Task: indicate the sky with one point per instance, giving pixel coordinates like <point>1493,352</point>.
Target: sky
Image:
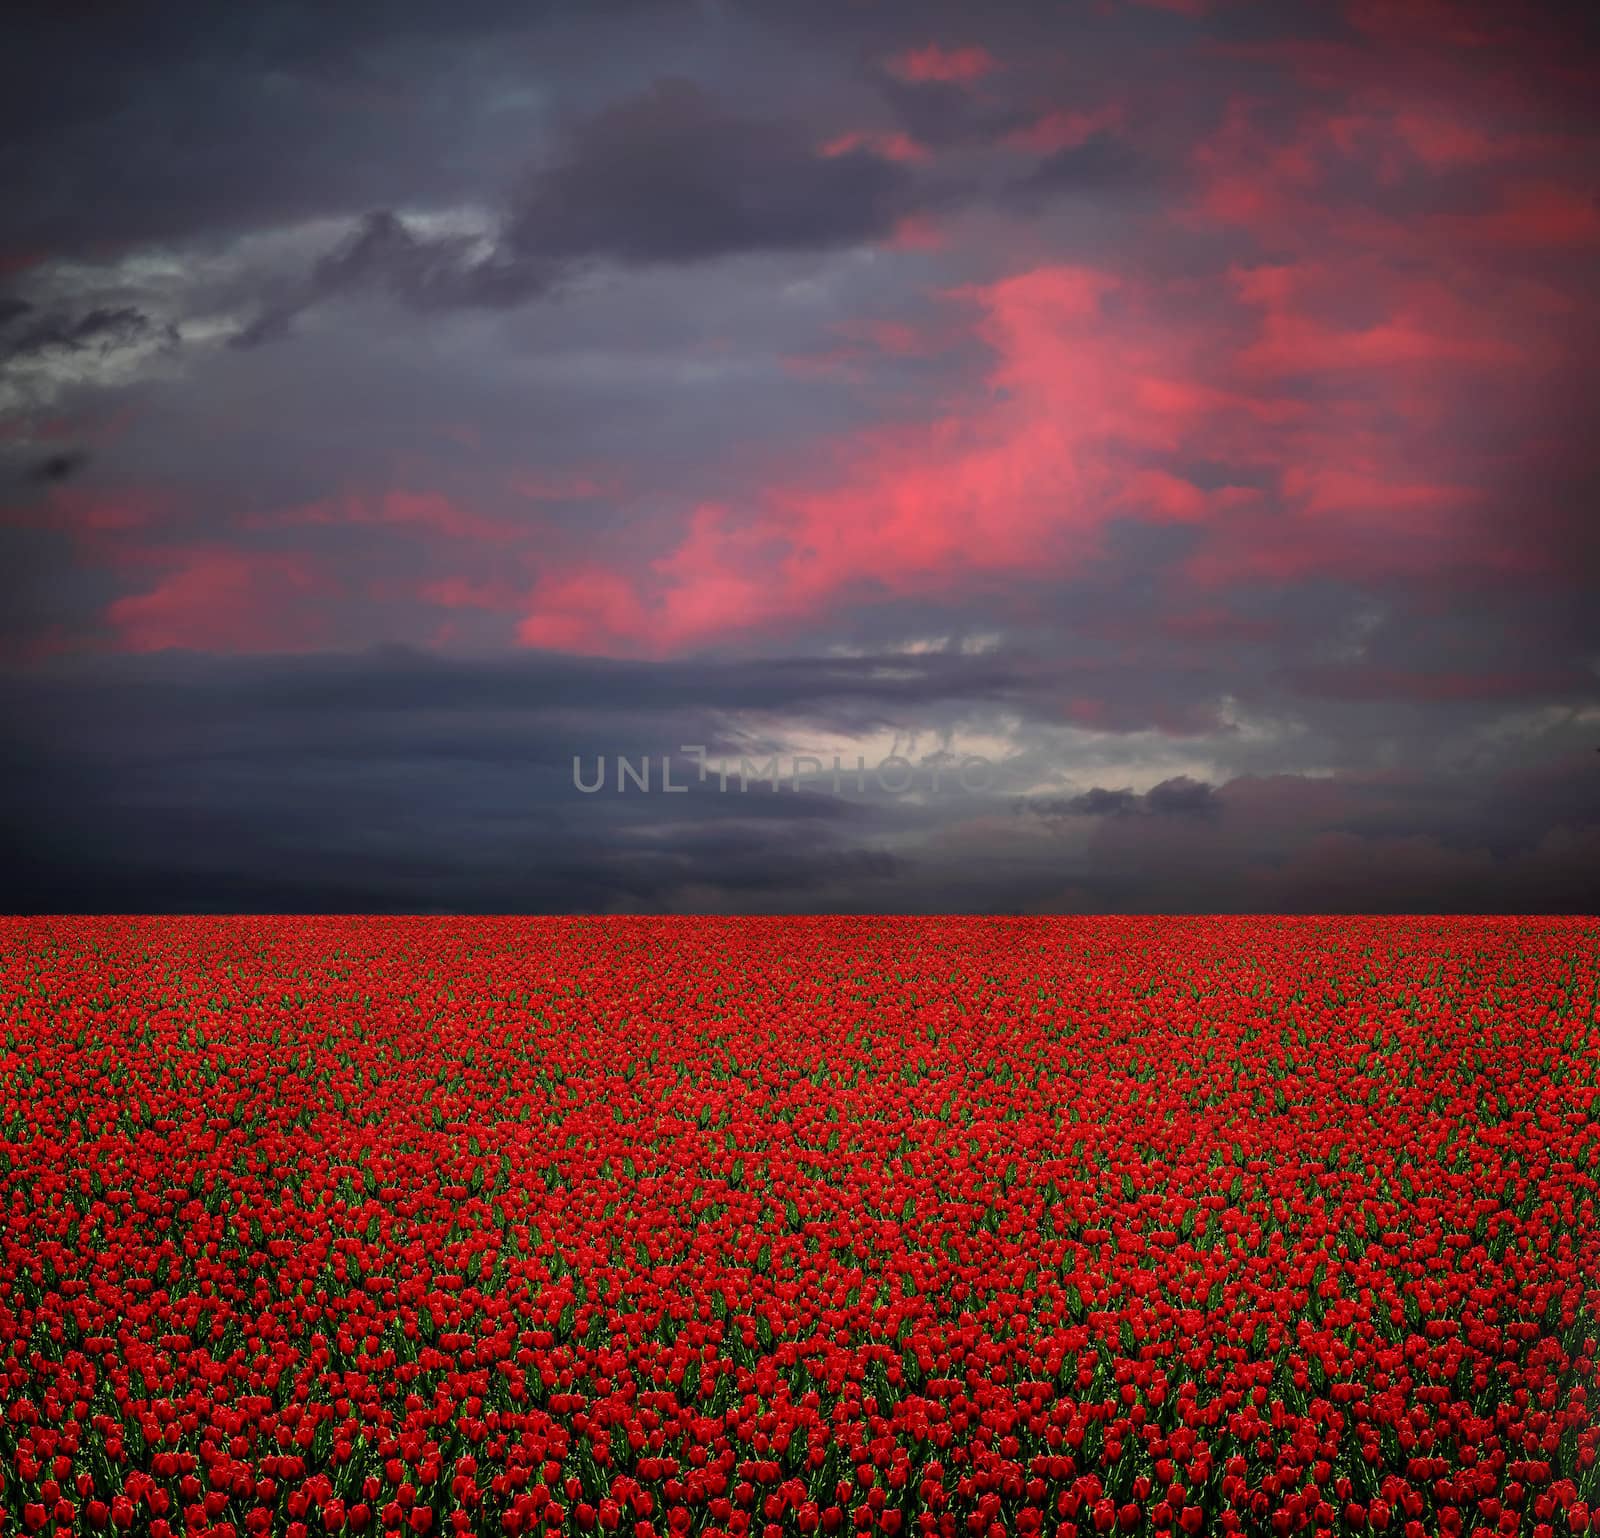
<point>1183,412</point>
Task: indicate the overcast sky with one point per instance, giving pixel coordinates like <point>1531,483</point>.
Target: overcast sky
<point>1188,408</point>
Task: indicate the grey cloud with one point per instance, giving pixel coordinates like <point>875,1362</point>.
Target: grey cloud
<point>271,324</point>
<point>385,253</point>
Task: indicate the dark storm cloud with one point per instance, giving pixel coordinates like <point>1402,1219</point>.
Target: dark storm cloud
<point>946,115</point>
<point>1389,844</point>
<point>169,122</point>
<point>54,468</point>
<point>166,122</point>
<point>673,176</point>
<point>398,782</point>
<point>1180,796</point>
<point>668,177</point>
<point>547,700</point>
<point>1372,681</point>
<point>395,781</point>
<point>1103,163</point>
<point>103,328</point>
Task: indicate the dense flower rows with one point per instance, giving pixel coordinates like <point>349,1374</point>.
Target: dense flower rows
<point>966,1227</point>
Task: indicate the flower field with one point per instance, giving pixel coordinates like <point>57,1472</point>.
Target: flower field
<point>673,1226</point>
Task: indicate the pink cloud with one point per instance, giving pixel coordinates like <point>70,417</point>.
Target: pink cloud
<point>570,486</point>
<point>1063,130</point>
<point>1020,480</point>
<point>1442,141</point>
<point>42,646</point>
<point>1169,498</point>
<point>916,232</point>
<point>945,66</point>
<point>1425,324</point>
<point>89,515</point>
<point>898,147</point>
<point>1316,407</point>
<point>1537,215</point>
<point>577,610</point>
<point>1098,384</point>
<point>216,599</point>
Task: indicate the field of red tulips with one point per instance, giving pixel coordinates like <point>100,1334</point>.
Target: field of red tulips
<point>666,1226</point>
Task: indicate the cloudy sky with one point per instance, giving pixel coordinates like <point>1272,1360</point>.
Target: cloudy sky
<point>1187,408</point>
